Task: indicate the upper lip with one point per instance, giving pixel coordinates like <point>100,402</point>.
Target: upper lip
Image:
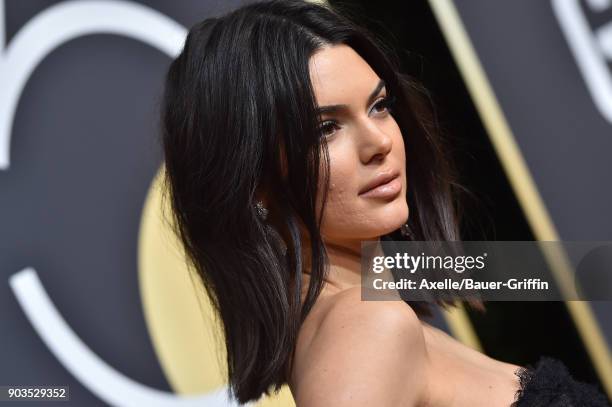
<point>380,179</point>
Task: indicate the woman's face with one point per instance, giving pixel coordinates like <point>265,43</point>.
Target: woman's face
<point>367,163</point>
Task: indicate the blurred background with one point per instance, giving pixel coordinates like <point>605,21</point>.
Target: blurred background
<point>94,292</point>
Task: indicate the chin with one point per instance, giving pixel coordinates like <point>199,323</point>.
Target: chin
<point>389,217</point>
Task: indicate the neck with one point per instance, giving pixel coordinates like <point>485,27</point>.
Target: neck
<point>344,264</point>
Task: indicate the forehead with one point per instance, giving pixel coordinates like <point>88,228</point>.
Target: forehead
<point>340,75</point>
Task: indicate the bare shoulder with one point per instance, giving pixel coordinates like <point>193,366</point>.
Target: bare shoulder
<point>363,353</point>
<point>347,309</point>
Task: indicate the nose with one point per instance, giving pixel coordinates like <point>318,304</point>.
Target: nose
<point>374,144</point>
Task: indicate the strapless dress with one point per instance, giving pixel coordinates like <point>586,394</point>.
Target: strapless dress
<point>548,383</point>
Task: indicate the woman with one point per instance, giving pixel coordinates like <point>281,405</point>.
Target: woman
<point>289,138</point>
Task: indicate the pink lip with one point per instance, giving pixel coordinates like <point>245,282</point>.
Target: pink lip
<point>384,185</point>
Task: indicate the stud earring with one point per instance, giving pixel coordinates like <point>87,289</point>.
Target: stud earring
<point>262,211</point>
<point>405,231</point>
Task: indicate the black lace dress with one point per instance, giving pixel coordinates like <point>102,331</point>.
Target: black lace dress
<point>549,384</point>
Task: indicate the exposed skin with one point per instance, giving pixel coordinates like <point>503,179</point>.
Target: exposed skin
<point>375,353</point>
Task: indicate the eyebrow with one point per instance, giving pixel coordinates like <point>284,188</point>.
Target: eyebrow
<point>334,108</point>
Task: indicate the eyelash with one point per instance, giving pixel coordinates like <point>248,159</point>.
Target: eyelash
<point>386,102</point>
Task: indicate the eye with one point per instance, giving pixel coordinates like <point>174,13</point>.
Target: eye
<point>328,128</point>
<point>384,104</point>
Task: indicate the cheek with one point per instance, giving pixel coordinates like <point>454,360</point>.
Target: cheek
<point>341,205</point>
<point>341,180</point>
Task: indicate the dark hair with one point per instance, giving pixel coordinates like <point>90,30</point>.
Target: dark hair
<point>238,120</point>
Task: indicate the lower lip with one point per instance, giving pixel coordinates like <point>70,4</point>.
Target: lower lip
<point>388,190</point>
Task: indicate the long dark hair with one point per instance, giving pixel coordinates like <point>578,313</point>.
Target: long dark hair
<point>238,120</point>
